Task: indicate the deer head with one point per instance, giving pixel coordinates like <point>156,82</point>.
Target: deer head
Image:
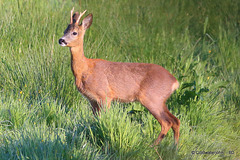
<point>74,33</point>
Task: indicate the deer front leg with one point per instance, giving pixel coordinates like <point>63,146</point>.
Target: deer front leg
<point>102,104</point>
<point>105,103</point>
<point>95,107</point>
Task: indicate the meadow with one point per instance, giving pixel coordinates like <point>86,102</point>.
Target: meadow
<point>43,116</point>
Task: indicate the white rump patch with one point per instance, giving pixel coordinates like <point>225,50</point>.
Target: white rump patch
<point>175,86</point>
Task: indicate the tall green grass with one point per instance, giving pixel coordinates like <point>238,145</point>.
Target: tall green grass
<point>42,115</point>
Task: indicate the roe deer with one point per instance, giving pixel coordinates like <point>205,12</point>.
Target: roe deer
<point>102,81</point>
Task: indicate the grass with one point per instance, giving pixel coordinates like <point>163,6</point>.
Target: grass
<point>42,115</point>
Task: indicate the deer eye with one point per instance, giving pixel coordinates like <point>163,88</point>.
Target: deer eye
<point>74,33</point>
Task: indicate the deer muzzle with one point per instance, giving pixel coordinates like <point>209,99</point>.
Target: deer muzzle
<point>62,42</point>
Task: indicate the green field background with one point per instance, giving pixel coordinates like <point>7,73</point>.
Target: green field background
<point>43,116</point>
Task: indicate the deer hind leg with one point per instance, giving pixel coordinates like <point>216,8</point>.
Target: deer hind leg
<point>164,117</point>
<point>165,122</point>
<point>175,126</point>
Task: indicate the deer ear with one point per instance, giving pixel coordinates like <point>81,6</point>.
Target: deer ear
<point>87,21</point>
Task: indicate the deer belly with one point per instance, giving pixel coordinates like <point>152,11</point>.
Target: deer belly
<point>125,93</point>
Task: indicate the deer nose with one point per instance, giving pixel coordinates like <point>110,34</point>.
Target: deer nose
<point>62,41</point>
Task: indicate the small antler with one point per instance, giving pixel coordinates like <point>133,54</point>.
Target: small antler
<point>81,14</point>
<point>71,20</point>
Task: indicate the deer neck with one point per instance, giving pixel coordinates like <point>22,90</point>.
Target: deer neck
<point>78,60</point>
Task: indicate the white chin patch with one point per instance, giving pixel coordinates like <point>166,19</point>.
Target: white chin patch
<point>63,45</point>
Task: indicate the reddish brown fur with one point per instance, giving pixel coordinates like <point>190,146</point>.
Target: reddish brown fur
<point>102,81</point>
